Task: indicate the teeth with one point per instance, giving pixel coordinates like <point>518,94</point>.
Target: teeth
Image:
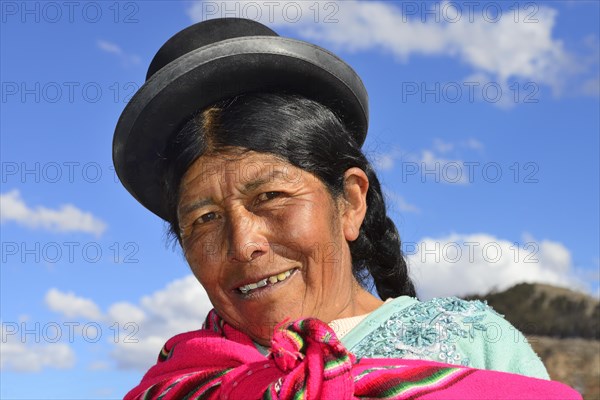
<point>262,283</point>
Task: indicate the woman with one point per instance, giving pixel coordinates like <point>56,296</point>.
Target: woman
<point>249,145</point>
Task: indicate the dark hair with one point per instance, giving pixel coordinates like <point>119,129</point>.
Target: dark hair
<point>311,137</point>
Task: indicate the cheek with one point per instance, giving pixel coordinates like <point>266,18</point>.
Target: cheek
<point>301,222</point>
<point>310,232</point>
<point>204,246</point>
<point>204,259</point>
<point>295,233</point>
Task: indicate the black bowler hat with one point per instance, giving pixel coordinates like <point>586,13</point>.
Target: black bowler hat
<point>215,60</point>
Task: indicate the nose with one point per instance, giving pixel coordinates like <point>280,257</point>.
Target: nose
<point>246,239</point>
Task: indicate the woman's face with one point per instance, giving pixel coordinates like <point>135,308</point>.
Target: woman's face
<point>267,241</point>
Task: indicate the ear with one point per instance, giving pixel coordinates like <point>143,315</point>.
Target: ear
<point>356,185</point>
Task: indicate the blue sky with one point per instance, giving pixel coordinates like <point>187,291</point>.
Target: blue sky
<point>484,127</point>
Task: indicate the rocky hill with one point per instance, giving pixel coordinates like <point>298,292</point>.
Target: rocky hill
<point>563,327</point>
<point>545,310</point>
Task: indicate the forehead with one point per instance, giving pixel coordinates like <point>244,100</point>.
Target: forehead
<point>240,167</point>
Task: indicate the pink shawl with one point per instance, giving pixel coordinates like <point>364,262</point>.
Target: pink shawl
<point>307,361</point>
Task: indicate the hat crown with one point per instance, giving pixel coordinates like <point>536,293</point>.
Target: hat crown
<point>202,34</point>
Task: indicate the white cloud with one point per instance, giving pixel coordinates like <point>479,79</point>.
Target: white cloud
<point>473,144</point>
<point>145,327</point>
<point>461,264</point>
<point>397,201</point>
<point>385,161</point>
<point>180,307</point>
<point>181,304</point>
<point>141,354</point>
<point>109,47</point>
<point>16,355</point>
<point>502,48</point>
<point>428,165</point>
<point>71,306</point>
<point>67,218</point>
<point>23,358</point>
<point>115,49</point>
<point>124,312</point>
<point>498,49</point>
<point>441,146</point>
<point>501,93</point>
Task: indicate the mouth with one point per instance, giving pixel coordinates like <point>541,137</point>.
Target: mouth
<point>266,282</point>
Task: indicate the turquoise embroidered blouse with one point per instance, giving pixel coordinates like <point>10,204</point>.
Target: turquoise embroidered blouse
<point>447,330</point>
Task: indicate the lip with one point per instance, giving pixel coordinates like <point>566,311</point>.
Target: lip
<point>264,288</point>
<point>253,279</point>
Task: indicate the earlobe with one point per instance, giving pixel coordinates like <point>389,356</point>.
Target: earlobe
<point>356,185</point>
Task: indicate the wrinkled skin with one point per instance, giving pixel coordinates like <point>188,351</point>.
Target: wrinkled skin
<point>247,216</point>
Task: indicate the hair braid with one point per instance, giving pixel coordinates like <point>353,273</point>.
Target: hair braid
<point>378,247</point>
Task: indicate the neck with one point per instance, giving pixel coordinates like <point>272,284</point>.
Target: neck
<point>362,302</point>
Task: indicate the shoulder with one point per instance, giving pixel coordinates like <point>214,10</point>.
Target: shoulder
<point>452,325</point>
<point>451,330</point>
<point>407,327</point>
<point>445,305</point>
<point>451,315</point>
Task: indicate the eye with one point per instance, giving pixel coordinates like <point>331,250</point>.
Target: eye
<point>204,218</point>
<point>268,196</point>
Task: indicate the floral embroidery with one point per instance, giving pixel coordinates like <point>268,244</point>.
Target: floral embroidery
<point>427,330</point>
<point>419,335</point>
<point>449,354</point>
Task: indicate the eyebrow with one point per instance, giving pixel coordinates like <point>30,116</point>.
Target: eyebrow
<point>195,205</point>
<point>252,185</point>
<point>248,187</point>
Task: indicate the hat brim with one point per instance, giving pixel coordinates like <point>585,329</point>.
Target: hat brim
<point>216,72</point>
